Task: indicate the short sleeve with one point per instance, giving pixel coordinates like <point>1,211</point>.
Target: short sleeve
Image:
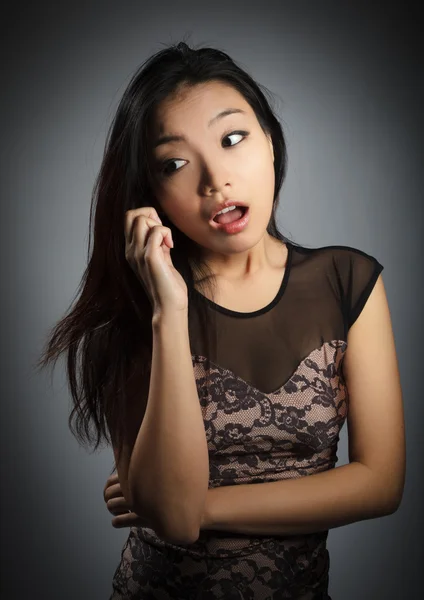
<point>362,273</point>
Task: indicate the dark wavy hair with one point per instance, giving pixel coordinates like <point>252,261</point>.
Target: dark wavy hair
<point>107,333</point>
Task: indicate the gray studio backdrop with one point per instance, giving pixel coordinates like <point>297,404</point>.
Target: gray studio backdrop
<point>348,88</point>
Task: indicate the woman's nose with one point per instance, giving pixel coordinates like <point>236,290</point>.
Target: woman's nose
<point>216,177</point>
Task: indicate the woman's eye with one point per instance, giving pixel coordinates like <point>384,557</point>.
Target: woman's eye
<point>167,172</point>
<point>243,134</point>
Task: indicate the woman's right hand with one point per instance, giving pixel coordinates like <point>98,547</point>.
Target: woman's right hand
<point>148,251</point>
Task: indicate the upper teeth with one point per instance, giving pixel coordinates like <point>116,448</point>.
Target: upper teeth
<point>224,210</point>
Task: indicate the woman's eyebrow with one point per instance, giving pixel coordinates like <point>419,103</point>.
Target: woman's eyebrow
<point>164,139</point>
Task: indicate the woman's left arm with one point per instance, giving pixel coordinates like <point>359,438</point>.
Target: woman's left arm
<point>372,484</point>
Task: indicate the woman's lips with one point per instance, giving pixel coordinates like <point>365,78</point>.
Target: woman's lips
<point>235,226</point>
<point>227,204</point>
<point>240,206</point>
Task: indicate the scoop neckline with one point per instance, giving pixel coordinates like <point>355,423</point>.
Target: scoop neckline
<point>261,311</point>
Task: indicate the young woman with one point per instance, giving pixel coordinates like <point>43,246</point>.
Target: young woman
<point>222,358</point>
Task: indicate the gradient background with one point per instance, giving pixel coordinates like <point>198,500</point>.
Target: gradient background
<point>349,91</point>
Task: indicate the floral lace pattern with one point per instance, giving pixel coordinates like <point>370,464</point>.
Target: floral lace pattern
<point>253,437</point>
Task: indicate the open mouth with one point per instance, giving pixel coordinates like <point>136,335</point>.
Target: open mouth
<point>231,216</point>
<point>232,221</point>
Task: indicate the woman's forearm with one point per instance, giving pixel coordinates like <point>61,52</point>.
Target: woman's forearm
<point>169,467</point>
<point>308,504</point>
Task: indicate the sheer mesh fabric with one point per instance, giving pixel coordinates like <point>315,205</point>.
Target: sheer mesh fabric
<point>274,408</point>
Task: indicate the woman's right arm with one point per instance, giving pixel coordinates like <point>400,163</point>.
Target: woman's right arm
<point>168,471</point>
<point>164,469</point>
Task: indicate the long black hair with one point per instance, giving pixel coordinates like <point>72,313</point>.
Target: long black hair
<point>107,334</point>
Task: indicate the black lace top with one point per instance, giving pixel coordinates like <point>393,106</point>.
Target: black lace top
<point>274,410</point>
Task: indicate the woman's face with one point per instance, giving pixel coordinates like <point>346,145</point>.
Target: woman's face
<point>230,158</point>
